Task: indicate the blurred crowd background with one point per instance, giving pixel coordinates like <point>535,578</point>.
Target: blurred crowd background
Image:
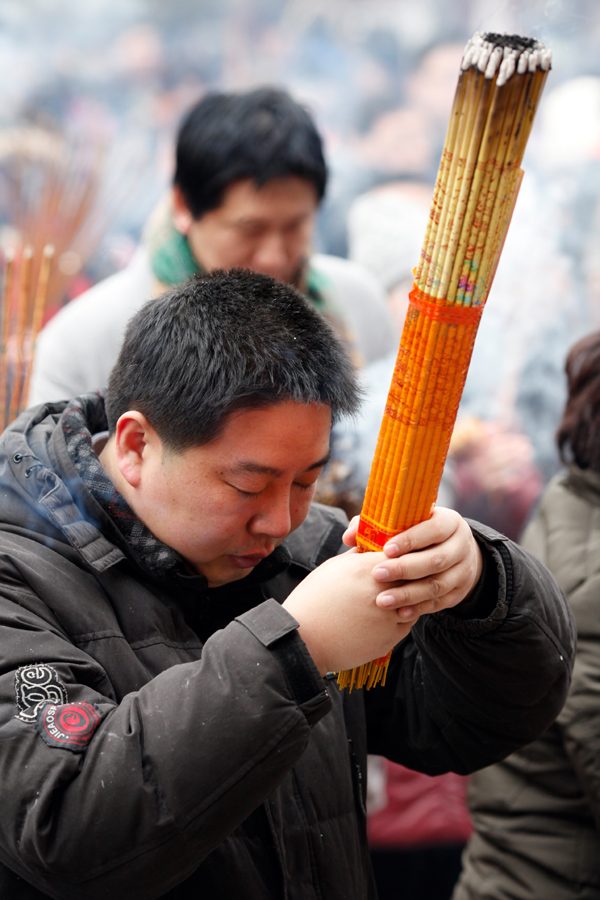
<point>93,92</point>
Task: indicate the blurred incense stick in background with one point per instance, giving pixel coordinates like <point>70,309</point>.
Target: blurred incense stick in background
<point>498,92</point>
<point>23,303</point>
<point>49,187</point>
<point>48,196</point>
<point>61,190</point>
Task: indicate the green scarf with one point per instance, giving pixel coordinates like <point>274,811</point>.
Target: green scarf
<point>171,258</point>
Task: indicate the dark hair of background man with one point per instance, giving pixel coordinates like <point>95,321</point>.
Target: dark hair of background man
<point>259,135</point>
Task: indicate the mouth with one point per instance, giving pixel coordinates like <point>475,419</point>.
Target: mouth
<point>249,560</point>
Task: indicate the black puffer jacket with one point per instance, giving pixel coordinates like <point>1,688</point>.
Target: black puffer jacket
<point>158,739</point>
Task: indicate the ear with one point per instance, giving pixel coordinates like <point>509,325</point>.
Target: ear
<point>136,446</point>
<point>182,217</point>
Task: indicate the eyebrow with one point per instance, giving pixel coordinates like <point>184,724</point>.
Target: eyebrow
<point>260,220</point>
<point>258,469</point>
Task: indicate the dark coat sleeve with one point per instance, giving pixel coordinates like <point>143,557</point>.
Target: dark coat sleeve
<point>169,771</point>
<point>462,693</point>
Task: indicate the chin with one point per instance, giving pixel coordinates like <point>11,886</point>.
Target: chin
<point>218,579</point>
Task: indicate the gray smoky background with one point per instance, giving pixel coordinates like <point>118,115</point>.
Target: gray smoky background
<point>378,76</point>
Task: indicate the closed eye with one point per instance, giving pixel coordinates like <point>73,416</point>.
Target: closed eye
<point>304,487</point>
<point>247,494</point>
<point>250,494</point>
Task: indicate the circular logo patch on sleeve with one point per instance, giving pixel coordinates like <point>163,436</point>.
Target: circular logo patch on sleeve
<point>70,725</point>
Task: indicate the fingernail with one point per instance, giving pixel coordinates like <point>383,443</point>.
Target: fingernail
<point>381,574</point>
<point>406,613</point>
<point>386,600</point>
<point>391,550</point>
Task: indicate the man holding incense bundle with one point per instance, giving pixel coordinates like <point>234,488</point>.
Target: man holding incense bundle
<point>172,610</point>
<point>249,177</point>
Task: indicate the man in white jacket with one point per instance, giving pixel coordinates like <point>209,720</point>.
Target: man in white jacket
<point>249,177</point>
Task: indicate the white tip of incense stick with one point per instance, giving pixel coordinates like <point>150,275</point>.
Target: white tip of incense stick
<point>506,70</point>
<point>49,250</point>
<point>484,56</point>
<point>474,49</point>
<point>502,55</point>
<point>494,63</point>
<point>473,56</point>
<point>523,62</point>
<point>471,50</point>
<point>467,53</point>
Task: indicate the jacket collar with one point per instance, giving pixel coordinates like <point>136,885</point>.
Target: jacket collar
<point>585,482</point>
<point>52,493</point>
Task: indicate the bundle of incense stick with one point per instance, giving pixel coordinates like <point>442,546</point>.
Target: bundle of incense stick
<point>24,302</point>
<point>64,190</point>
<point>498,92</point>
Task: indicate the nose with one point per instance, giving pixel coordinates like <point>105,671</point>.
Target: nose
<point>274,518</point>
<point>271,257</point>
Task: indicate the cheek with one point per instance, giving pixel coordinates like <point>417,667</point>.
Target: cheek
<point>240,256</point>
<point>298,241</point>
<point>225,519</point>
<point>211,536</point>
<point>186,511</point>
<point>299,509</point>
<point>233,247</point>
<point>305,233</point>
<point>220,248</point>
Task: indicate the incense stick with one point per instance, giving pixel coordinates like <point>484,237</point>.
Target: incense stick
<point>40,303</point>
<point>22,316</point>
<point>9,261</point>
<point>18,339</point>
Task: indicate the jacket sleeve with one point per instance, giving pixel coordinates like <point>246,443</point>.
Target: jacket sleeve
<point>463,693</point>
<point>168,772</point>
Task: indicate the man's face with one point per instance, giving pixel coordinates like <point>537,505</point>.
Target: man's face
<point>266,229</point>
<point>226,505</point>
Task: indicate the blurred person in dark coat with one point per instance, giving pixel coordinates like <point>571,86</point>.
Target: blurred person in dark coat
<point>537,814</point>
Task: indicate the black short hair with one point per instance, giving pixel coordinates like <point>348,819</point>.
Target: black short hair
<point>578,435</point>
<point>260,135</point>
<point>224,342</point>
